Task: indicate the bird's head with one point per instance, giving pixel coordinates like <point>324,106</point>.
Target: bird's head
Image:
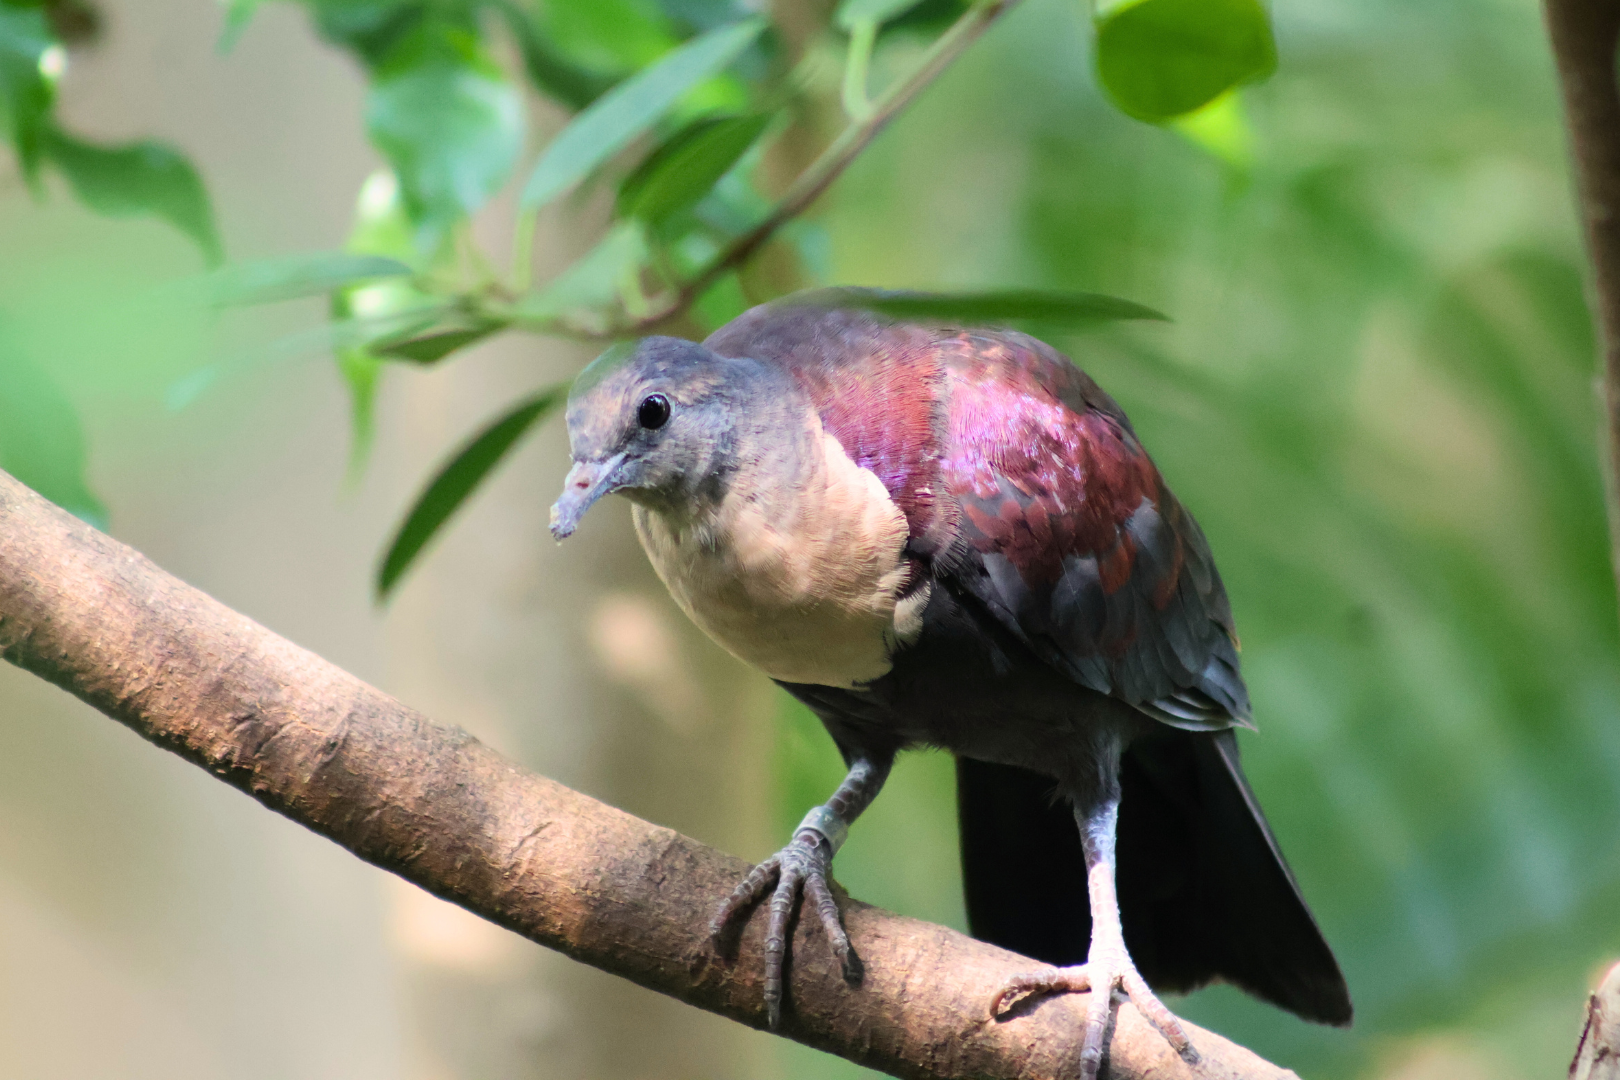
<point>655,421</point>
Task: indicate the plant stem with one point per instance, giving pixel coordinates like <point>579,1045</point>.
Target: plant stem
<point>523,251</point>
<point>862,39</point>
<point>809,186</point>
<point>1584,35</point>
<point>815,180</point>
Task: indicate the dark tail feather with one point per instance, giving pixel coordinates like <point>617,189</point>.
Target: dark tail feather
<point>1204,891</point>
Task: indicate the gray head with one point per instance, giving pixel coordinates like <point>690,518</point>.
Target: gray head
<point>656,422</point>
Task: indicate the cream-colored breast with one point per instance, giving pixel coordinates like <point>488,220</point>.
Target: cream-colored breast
<point>802,584</point>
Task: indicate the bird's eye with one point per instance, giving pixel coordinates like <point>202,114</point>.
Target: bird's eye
<point>654,412</point>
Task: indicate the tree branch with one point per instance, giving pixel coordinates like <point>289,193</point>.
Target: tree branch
<point>1584,37</point>
<point>1597,1054</point>
<point>437,807</point>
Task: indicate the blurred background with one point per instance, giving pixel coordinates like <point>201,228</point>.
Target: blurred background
<point>1376,395</point>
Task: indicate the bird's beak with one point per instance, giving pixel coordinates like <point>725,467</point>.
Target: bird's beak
<point>587,481</point>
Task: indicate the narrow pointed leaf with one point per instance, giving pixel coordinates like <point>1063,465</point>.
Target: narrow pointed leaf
<point>432,347</point>
<point>682,171</point>
<point>267,281</point>
<point>238,13</point>
<point>459,477</point>
<point>999,306</point>
<point>331,337</point>
<point>630,109</point>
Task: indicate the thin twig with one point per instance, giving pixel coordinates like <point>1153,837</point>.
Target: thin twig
<point>810,185</point>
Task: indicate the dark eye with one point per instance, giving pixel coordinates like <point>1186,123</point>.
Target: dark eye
<point>654,412</point>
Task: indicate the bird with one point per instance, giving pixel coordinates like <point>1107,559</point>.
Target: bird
<point>949,536</point>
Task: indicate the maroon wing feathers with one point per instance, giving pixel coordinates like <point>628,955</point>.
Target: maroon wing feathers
<point>1026,488</point>
<point>1081,548</point>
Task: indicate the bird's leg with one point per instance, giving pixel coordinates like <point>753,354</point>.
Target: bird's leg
<point>1108,965</point>
<point>802,868</point>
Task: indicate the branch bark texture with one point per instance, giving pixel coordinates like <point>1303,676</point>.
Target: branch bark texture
<point>1584,35</point>
<point>1597,1055</point>
<point>437,807</point>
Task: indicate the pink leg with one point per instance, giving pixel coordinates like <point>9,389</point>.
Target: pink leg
<point>1108,965</point>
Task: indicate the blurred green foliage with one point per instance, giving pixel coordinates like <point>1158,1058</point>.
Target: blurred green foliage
<point>1376,394</point>
<point>1377,398</point>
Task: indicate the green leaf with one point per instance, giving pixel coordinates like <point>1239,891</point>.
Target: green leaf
<point>681,172</point>
<point>449,121</point>
<point>852,12</point>
<point>616,36</point>
<point>434,346</point>
<point>41,440</point>
<point>602,275</point>
<point>238,13</point>
<point>630,109</point>
<point>137,179</point>
<point>371,29</point>
<point>25,91</point>
<point>333,337</point>
<point>270,280</point>
<point>1159,59</point>
<point>998,306</point>
<point>549,68</point>
<point>382,227</point>
<point>457,479</point>
<point>1221,129</point>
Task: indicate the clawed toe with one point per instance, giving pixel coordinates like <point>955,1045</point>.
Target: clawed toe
<point>1069,980</point>
<point>1085,978</point>
<point>797,872</point>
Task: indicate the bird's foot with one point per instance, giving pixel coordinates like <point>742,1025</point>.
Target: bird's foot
<point>800,869</point>
<point>1101,977</point>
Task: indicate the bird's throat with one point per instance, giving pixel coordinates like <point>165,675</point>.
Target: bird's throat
<point>798,568</point>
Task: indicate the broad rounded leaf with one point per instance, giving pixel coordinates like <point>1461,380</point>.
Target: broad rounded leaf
<point>450,123</point>
<point>459,477</point>
<point>998,306</point>
<point>630,109</point>
<point>682,171</point>
<point>136,179</point>
<point>1159,59</point>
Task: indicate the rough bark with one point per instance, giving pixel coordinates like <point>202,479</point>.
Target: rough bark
<point>435,806</point>
<point>1584,36</point>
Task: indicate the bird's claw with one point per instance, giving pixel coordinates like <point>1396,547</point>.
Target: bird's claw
<point>1115,973</point>
<point>800,869</point>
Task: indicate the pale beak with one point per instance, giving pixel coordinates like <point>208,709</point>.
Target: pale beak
<point>587,481</point>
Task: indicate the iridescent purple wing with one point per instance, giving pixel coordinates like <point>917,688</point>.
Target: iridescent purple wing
<point>1071,540</point>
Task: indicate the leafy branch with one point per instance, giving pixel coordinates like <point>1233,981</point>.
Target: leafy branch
<point>694,107</point>
<point>815,179</point>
